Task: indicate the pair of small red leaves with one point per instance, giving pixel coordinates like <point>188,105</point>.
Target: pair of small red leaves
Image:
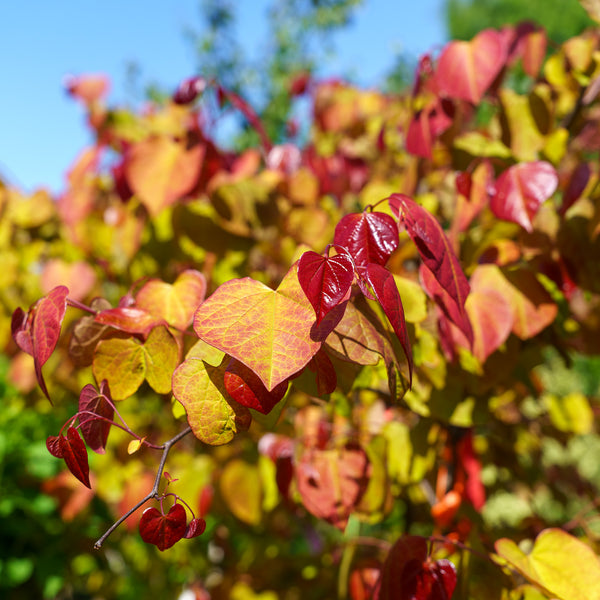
<point>166,530</point>
<point>364,242</point>
<point>37,331</point>
<point>410,574</point>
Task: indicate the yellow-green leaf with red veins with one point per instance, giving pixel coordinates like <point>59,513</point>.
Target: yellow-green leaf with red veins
<point>212,415</point>
<point>356,339</point>
<point>267,330</point>
<point>559,563</point>
<point>160,171</point>
<point>126,362</point>
<point>174,303</point>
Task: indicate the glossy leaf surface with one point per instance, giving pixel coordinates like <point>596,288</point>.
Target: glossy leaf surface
<point>325,280</point>
<point>95,431</point>
<point>369,237</point>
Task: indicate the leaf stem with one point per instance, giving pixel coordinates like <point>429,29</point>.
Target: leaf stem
<point>153,493</point>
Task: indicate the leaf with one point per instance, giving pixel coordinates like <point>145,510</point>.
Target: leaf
<point>214,417</point>
<point>134,446</point>
<point>163,530</point>
<point>369,237</point>
<point>75,455</point>
<point>160,171</point>
<point>592,8</point>
<point>386,292</point>
<point>325,371</point>
<point>332,482</point>
<point>246,388</point>
<point>126,362</point>
<point>268,331</point>
<point>195,528</point>
<point>427,125</point>
<point>520,191</point>
<point>241,489</point>
<point>129,319</point>
<point>53,446</point>
<point>175,303</point>
<point>95,431</point>
<point>559,563</point>
<point>433,246</point>
<point>37,331</point>
<point>408,573</point>
<point>465,70</point>
<point>325,280</point>
<point>86,334</point>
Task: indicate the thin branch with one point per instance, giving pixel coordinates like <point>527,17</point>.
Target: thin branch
<point>166,447</point>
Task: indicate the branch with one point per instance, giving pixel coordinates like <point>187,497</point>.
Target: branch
<point>153,493</point>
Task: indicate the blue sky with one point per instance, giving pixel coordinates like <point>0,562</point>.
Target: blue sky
<point>42,130</point>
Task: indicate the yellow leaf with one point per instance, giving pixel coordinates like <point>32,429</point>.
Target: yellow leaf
<point>135,445</point>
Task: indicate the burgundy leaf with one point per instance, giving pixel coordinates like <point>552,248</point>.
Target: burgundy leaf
<point>189,89</point>
<point>95,431</point>
<point>429,580</point>
<point>433,246</point>
<point>195,528</point>
<point>75,454</point>
<point>325,371</point>
<point>386,292</point>
<point>53,445</point>
<point>520,191</point>
<point>129,319</point>
<point>325,280</point>
<point>245,387</point>
<point>576,186</point>
<point>369,237</point>
<point>163,530</point>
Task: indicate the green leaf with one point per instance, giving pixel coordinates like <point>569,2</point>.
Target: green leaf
<point>212,415</point>
<point>161,356</point>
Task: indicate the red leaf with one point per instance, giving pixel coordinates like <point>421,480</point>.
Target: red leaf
<point>429,580</point>
<point>325,280</point>
<point>446,303</point>
<point>325,371</point>
<point>408,574</point>
<point>245,387</point>
<point>195,528</point>
<point>53,445</point>
<point>37,331</point>
<point>521,189</point>
<point>189,89</point>
<point>163,530</point>
<point>427,125</point>
<point>466,70</point>
<point>434,248</point>
<point>369,237</point>
<point>576,186</point>
<point>128,319</point>
<point>75,455</point>
<point>95,431</point>
<point>474,490</point>
<point>386,292</point>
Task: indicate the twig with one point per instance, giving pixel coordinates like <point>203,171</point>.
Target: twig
<point>166,447</point>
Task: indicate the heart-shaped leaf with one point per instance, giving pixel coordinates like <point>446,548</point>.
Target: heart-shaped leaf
<point>246,388</point>
<point>269,331</point>
<point>325,280</point>
<point>369,237</point>
<point>214,417</point>
<point>163,530</point>
<point>75,455</point>
<point>129,319</point>
<point>465,70</point>
<point>386,292</point>
<point>98,402</point>
<point>53,446</point>
<point>126,362</point>
<point>520,191</point>
<point>175,303</point>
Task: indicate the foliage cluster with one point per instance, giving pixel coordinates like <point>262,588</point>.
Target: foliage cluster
<point>338,369</point>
